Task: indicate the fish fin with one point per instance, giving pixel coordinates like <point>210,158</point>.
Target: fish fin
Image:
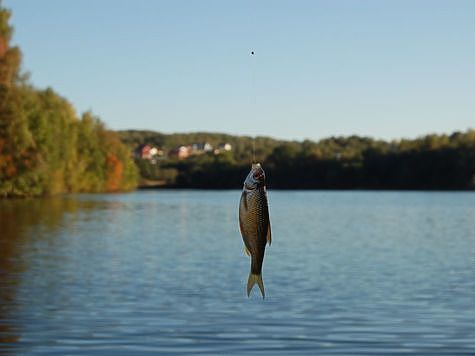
<point>246,251</point>
<point>253,279</point>
<point>269,236</point>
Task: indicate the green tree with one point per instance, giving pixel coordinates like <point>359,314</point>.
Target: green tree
<point>44,147</point>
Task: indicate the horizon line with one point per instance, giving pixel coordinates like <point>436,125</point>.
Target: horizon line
<point>419,136</point>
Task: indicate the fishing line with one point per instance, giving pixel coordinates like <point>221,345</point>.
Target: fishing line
<point>253,103</point>
<point>253,149</point>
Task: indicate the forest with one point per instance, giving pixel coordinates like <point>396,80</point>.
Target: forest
<point>431,162</point>
<point>45,146</point>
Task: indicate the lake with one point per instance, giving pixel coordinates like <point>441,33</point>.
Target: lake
<point>164,272</point>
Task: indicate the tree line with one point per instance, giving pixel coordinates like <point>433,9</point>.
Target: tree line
<point>45,147</point>
<point>431,162</point>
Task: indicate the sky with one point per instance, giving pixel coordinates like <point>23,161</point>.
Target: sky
<point>385,69</point>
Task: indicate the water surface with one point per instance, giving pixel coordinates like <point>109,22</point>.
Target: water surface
<point>164,271</point>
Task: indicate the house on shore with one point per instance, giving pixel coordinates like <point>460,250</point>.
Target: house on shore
<point>200,148</point>
<point>223,147</point>
<point>195,149</point>
<point>148,152</point>
<point>180,152</point>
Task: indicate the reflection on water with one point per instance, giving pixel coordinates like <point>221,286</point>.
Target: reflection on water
<point>348,272</point>
<point>26,226</point>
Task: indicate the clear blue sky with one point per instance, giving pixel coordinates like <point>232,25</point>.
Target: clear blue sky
<point>386,69</point>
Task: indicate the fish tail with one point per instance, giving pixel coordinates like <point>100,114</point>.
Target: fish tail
<point>253,279</point>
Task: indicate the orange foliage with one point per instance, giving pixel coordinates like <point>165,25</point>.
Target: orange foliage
<point>7,167</point>
<point>114,172</point>
<point>3,46</point>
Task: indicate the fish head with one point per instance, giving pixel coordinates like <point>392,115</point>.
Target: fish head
<point>256,177</point>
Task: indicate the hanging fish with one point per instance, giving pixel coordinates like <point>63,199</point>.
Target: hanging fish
<point>255,224</point>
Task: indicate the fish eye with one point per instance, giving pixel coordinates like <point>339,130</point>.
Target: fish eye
<point>258,174</point>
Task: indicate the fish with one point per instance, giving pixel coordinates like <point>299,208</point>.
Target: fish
<point>254,224</point>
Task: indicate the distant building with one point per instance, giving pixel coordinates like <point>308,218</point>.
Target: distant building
<point>180,152</point>
<point>200,148</point>
<point>223,147</point>
<point>149,152</point>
